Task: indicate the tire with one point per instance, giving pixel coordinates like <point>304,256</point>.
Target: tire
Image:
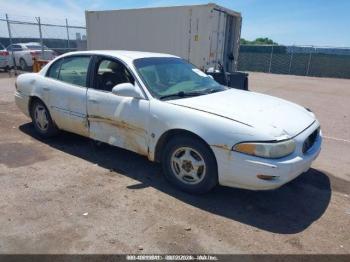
<point>23,64</point>
<point>189,164</point>
<point>42,121</point>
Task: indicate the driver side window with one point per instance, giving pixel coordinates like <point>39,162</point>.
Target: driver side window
<point>110,73</point>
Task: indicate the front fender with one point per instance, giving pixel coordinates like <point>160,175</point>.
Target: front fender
<point>215,130</point>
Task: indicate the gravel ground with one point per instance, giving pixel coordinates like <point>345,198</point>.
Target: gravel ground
<point>65,195</point>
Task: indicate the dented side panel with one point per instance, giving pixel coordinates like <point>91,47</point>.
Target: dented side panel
<point>119,121</point>
<point>67,105</point>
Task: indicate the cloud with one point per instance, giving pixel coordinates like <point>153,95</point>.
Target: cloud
<point>50,13</point>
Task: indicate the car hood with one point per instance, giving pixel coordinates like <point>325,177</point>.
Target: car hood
<point>275,117</point>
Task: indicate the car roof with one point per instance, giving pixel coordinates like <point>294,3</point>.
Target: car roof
<point>31,43</point>
<point>123,54</point>
<point>28,43</point>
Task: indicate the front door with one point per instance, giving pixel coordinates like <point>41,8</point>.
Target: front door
<point>116,120</point>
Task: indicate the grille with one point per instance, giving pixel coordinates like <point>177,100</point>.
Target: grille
<point>310,141</point>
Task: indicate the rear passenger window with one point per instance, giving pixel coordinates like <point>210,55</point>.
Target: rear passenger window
<point>74,70</point>
<point>17,48</point>
<point>55,69</point>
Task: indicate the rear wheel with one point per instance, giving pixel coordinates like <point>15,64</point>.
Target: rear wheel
<point>23,64</point>
<point>189,164</point>
<point>42,120</point>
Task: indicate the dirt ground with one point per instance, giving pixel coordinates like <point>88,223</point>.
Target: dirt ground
<point>65,195</point>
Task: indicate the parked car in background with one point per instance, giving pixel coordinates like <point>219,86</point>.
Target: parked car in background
<point>24,53</point>
<point>163,107</point>
<point>4,58</point>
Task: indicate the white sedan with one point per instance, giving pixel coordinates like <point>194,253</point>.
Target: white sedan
<point>161,106</point>
<point>24,53</point>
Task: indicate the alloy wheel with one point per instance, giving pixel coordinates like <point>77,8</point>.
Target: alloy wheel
<point>188,165</point>
<point>41,118</point>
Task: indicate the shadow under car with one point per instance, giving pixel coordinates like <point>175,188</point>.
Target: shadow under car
<point>287,210</point>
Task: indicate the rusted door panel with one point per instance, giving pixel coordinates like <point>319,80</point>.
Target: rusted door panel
<point>67,105</point>
<point>119,121</point>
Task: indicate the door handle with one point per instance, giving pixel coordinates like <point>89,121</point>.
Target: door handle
<point>46,89</point>
<point>93,101</point>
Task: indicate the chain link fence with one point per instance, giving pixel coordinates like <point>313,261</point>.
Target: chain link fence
<point>63,35</point>
<point>58,35</point>
<point>296,60</point>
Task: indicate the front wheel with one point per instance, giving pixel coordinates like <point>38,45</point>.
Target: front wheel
<point>42,120</point>
<point>189,164</point>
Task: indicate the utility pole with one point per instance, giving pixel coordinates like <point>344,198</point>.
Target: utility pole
<point>270,65</point>
<point>291,60</point>
<point>67,28</point>
<point>309,63</point>
<point>41,38</point>
<point>10,36</point>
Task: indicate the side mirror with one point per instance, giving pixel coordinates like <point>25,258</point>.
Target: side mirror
<point>127,90</point>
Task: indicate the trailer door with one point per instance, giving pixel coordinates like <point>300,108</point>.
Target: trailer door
<point>229,55</point>
<point>217,38</point>
<point>223,45</point>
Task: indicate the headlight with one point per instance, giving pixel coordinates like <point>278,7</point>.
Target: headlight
<point>266,150</point>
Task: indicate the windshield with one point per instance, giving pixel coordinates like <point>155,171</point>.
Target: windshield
<point>171,78</point>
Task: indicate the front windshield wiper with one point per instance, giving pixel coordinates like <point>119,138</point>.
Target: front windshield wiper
<point>213,90</point>
<point>183,94</point>
<point>194,93</point>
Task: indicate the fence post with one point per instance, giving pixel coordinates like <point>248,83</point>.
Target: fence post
<point>10,36</point>
<point>291,60</point>
<point>67,28</point>
<point>308,64</point>
<point>271,59</point>
<point>41,37</point>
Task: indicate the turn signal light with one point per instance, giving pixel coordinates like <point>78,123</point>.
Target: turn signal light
<point>266,177</point>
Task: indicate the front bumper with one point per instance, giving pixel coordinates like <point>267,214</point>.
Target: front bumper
<point>241,170</point>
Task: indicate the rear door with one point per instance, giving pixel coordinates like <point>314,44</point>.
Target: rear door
<point>117,120</point>
<point>66,88</point>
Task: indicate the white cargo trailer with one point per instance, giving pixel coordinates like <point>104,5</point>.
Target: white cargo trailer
<point>202,34</point>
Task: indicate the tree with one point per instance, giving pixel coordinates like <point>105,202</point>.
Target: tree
<point>258,41</point>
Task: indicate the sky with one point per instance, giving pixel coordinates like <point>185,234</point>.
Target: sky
<point>302,22</point>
